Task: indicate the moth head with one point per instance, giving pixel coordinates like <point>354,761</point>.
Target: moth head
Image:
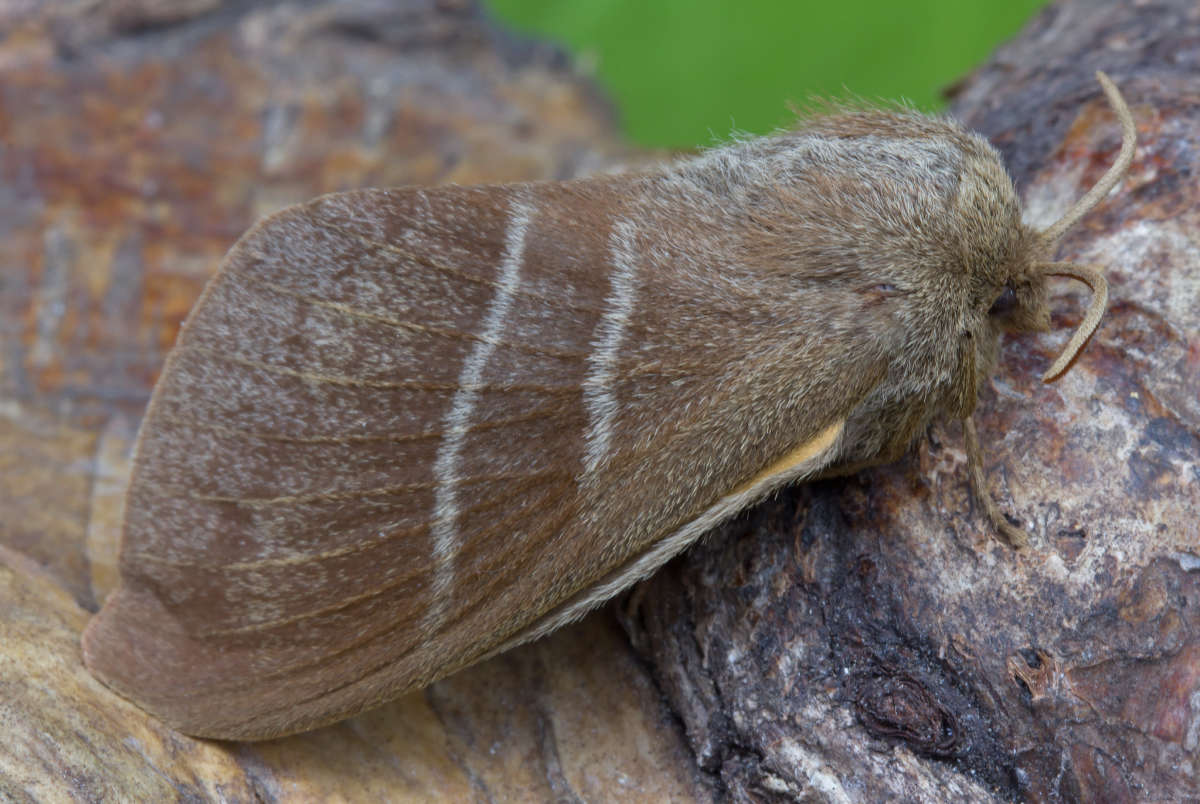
<point>1021,303</point>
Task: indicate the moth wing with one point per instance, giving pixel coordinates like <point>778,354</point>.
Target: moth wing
<point>390,440</point>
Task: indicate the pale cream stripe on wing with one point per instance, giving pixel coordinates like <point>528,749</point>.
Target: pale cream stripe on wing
<point>446,541</point>
<point>598,394</point>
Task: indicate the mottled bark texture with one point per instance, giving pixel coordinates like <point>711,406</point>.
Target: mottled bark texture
<point>869,640</point>
<point>138,140</point>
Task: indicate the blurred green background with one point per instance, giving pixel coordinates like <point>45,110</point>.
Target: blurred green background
<point>689,72</point>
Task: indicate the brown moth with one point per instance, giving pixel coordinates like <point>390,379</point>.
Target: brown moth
<point>404,430</point>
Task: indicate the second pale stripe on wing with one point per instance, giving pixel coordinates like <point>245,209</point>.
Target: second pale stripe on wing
<point>598,396</point>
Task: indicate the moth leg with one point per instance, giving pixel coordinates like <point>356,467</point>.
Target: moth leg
<point>1016,537</point>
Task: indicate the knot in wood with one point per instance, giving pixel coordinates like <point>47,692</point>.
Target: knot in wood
<point>901,708</point>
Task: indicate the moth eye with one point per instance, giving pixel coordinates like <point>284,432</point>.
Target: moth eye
<point>1004,303</point>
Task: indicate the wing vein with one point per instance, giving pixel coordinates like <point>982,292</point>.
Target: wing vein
<point>296,559</point>
<point>411,326</point>
<point>535,414</point>
<point>341,379</point>
<point>500,526</point>
<point>360,546</point>
<point>557,302</point>
<point>336,496</point>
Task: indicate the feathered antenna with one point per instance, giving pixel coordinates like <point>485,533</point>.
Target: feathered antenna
<point>1091,276</point>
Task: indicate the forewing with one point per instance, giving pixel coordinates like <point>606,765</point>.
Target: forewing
<point>390,440</point>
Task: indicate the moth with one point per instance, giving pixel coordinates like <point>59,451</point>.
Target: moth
<point>404,430</point>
